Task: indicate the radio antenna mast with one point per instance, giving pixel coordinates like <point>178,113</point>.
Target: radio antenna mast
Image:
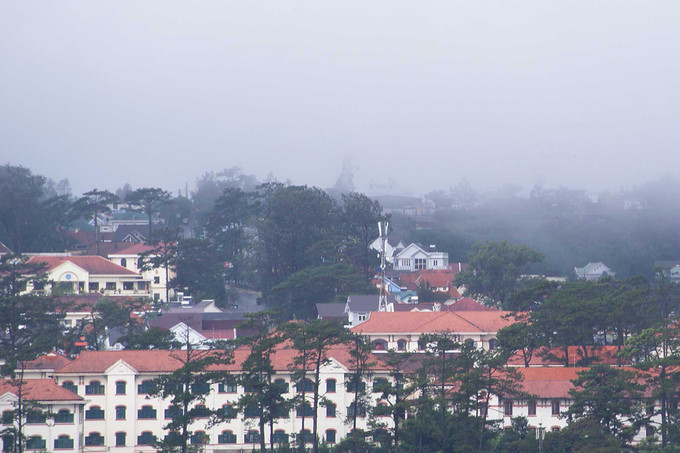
<point>383,227</point>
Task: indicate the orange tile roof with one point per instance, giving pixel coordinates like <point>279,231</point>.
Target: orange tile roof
<point>164,361</point>
<point>93,264</point>
<point>430,322</point>
<point>547,382</point>
<point>49,361</point>
<point>39,390</point>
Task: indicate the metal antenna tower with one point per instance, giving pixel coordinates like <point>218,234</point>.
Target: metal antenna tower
<point>383,227</point>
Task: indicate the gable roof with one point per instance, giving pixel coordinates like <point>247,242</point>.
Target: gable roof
<point>93,264</point>
<point>39,390</point>
<point>331,310</point>
<point>49,361</point>
<point>431,322</point>
<point>136,249</point>
<point>4,249</point>
<point>366,303</point>
<point>135,232</point>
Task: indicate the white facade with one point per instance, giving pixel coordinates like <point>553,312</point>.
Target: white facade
<point>415,258</point>
<point>156,277</point>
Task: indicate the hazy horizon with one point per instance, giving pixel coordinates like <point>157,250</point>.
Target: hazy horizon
<point>425,94</point>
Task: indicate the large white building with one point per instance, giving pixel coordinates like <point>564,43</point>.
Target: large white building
<point>157,278</point>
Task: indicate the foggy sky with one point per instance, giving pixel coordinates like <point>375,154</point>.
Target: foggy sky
<point>155,93</point>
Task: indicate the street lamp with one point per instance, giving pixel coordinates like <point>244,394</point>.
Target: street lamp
<point>540,434</point>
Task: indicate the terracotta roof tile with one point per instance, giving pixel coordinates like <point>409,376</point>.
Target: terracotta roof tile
<point>93,264</point>
<point>40,390</point>
<point>430,322</point>
<point>49,361</point>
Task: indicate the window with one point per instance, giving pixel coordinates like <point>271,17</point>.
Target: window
<point>227,437</point>
<point>555,405</point>
<point>330,385</point>
<point>94,413</point>
<point>351,386</point>
<point>304,436</point>
<point>330,436</point>
<point>36,443</point>
<point>362,316</point>
<point>280,437</point>
<point>36,417</point>
<point>63,416</point>
<point>507,408</point>
<point>532,407</point>
<point>200,411</point>
<point>227,388</point>
<point>401,345</point>
<point>228,411</point>
<point>111,286</point>
<point>94,388</point>
<point>146,413</point>
<point>156,280</point>
<point>360,410</point>
<point>200,388</point>
<point>123,262</point>
<point>147,438</point>
<point>555,429</point>
<point>307,385</point>
<point>145,387</point>
<point>305,408</point>
<point>492,344</point>
<point>199,438</point>
<point>252,437</point>
<point>94,286</point>
<point>70,386</point>
<point>120,387</point>
<point>380,345</point>
<point>380,384</point>
<point>382,409</point>
<point>120,439</point>
<point>251,411</point>
<point>173,412</point>
<point>421,263</point>
<point>282,385</point>
<point>128,286</point>
<point>64,442</point>
<point>330,410</point>
<point>94,439</point>
<point>120,412</point>
<point>7,417</point>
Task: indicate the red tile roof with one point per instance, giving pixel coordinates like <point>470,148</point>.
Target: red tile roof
<point>163,361</point>
<point>49,361</point>
<point>548,382</point>
<point>39,390</point>
<point>93,264</point>
<point>430,322</point>
<point>606,355</point>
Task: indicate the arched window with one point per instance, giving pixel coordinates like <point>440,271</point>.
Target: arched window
<point>94,388</point>
<point>227,437</point>
<point>280,437</point>
<point>146,438</point>
<point>145,387</point>
<point>282,385</point>
<point>94,439</point>
<point>121,387</point>
<point>199,438</point>
<point>330,385</point>
<point>401,345</point>
<point>380,345</point>
<point>331,410</point>
<point>63,442</point>
<point>123,262</point>
<point>305,408</point>
<point>305,437</point>
<point>228,411</point>
<point>36,417</point>
<point>63,416</point>
<point>252,437</point>
<point>200,411</point>
<point>330,436</point>
<point>35,443</point>
<point>120,412</point>
<point>146,413</point>
<point>308,386</point>
<point>251,411</point>
<point>120,439</point>
<point>70,386</point>
<point>94,413</point>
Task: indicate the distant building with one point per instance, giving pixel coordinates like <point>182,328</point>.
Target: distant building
<point>416,257</point>
<point>593,271</point>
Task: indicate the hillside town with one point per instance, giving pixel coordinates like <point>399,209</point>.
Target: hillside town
<point>274,331</point>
